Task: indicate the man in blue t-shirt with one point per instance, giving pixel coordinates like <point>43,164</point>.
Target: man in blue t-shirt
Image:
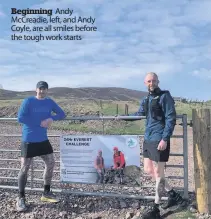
<point>35,114</point>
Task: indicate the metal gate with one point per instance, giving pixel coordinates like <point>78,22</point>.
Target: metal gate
<point>9,162</point>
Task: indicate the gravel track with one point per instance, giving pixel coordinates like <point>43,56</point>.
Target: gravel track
<point>75,206</point>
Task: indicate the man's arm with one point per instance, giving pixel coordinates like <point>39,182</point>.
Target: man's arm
<point>140,111</point>
<point>115,166</point>
<point>103,164</point>
<point>95,164</point>
<point>24,117</point>
<point>60,114</point>
<point>170,116</point>
<point>122,160</point>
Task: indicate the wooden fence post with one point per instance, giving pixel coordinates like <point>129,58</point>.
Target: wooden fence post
<point>202,158</point>
<point>126,109</point>
<point>101,104</point>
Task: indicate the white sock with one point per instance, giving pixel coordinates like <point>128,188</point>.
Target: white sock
<point>167,186</point>
<point>160,185</point>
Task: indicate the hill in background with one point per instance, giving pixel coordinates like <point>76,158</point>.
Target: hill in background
<point>112,93</point>
<point>93,102</point>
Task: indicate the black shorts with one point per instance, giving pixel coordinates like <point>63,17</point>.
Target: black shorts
<point>33,149</point>
<point>150,151</point>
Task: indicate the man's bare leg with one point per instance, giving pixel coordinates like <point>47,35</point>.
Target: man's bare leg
<point>161,184</point>
<point>152,168</point>
<point>149,168</point>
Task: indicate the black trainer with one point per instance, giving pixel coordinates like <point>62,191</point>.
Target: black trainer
<point>174,200</point>
<point>153,213</point>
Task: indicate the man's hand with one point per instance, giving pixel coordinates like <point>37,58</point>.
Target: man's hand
<point>46,123</point>
<point>99,170</point>
<point>116,117</point>
<point>162,145</point>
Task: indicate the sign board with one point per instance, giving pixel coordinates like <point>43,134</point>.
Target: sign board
<point>92,158</point>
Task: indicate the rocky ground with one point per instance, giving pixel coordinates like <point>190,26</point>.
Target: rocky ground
<point>75,206</point>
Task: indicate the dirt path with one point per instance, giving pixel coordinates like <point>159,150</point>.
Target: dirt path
<point>177,147</point>
<point>81,207</point>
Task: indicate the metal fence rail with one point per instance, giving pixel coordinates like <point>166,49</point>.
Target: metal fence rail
<point>184,155</point>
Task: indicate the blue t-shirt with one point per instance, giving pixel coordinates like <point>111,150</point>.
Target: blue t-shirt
<point>32,112</point>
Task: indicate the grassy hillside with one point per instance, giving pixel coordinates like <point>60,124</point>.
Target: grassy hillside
<point>91,93</point>
<point>97,107</point>
<point>9,108</point>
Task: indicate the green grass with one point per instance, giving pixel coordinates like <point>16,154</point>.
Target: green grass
<point>182,215</point>
<point>110,108</point>
<point>129,128</point>
<point>185,108</point>
<point>82,107</point>
<point>73,127</point>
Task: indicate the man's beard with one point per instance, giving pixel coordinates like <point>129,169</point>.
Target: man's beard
<point>150,89</point>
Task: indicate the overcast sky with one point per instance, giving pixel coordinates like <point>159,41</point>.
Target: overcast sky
<point>133,37</point>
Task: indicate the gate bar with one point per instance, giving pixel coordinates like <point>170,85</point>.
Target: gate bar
<point>185,152</point>
<point>85,118</point>
<point>62,191</point>
<point>103,118</point>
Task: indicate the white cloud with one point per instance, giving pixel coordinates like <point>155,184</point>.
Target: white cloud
<point>79,76</point>
<point>2,14</point>
<point>199,13</point>
<point>133,38</point>
<point>203,73</point>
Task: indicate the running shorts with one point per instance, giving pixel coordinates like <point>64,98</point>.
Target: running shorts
<point>33,149</point>
<point>150,151</point>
